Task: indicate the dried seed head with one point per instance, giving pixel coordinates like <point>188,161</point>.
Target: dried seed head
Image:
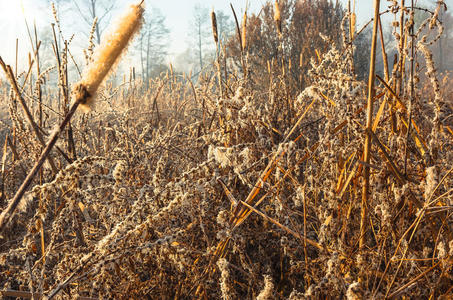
<point>353,23</point>
<point>244,31</point>
<point>277,17</point>
<point>214,27</point>
<point>107,54</point>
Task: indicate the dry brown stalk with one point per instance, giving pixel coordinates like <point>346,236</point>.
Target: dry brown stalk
<point>84,92</point>
<point>412,281</point>
<point>29,295</point>
<point>290,231</point>
<point>369,124</point>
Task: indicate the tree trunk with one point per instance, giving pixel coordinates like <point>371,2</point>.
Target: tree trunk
<point>199,46</point>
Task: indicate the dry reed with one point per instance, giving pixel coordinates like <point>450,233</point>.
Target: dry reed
<point>249,187</point>
<point>107,54</point>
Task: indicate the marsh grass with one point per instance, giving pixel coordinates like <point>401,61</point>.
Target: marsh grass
<point>214,189</point>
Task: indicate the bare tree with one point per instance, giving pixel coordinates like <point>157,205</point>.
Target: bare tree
<point>200,31</point>
<point>152,44</point>
<point>225,25</point>
<point>89,10</point>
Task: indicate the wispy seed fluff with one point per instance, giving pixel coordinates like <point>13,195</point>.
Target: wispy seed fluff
<point>106,55</point>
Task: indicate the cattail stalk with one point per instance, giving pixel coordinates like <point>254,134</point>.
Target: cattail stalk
<point>215,34</point>
<point>369,124</point>
<point>84,93</point>
<point>240,40</point>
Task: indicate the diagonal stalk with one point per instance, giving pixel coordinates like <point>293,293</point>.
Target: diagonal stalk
<point>9,211</point>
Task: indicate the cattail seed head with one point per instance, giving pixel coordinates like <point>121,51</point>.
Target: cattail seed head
<point>107,54</point>
<point>244,31</point>
<point>214,27</point>
<point>353,23</point>
<point>277,17</point>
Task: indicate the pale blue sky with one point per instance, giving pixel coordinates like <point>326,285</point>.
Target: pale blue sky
<point>177,12</point>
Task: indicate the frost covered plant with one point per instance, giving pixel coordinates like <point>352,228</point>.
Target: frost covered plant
<point>268,291</point>
<point>149,199</point>
<point>431,182</point>
<point>225,280</point>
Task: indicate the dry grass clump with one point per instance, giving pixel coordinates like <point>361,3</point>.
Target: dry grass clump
<point>173,191</point>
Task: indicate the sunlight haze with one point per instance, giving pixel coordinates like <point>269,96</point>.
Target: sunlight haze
<point>178,15</point>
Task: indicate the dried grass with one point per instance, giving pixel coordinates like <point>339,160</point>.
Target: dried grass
<point>183,190</point>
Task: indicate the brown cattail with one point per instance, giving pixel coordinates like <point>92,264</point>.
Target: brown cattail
<point>171,70</point>
<point>215,32</point>
<point>244,31</point>
<point>278,18</point>
<point>107,54</point>
<point>353,22</point>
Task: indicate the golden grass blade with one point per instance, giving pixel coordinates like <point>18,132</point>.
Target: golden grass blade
<point>328,99</point>
<point>230,196</point>
<point>348,180</point>
<point>295,234</point>
<point>414,280</point>
<point>449,130</point>
<point>379,114</point>
<point>369,120</point>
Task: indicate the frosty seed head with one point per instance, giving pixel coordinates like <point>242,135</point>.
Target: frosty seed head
<point>106,55</point>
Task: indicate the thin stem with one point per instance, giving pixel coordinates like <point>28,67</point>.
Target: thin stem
<point>369,124</point>
<point>412,91</point>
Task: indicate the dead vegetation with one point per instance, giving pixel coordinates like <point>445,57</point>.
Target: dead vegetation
<point>220,189</point>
